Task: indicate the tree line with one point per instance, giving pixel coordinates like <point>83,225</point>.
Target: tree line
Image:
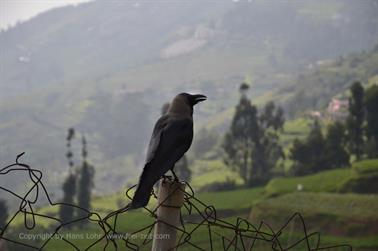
<point>354,139</point>
<point>252,145</point>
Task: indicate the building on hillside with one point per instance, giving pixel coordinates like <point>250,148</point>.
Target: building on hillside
<point>337,109</point>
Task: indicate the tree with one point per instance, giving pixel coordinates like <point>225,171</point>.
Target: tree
<point>267,149</point>
<point>239,141</point>
<point>316,143</point>
<point>309,155</point>
<point>335,151</point>
<point>66,213</point>
<point>3,214</point>
<point>299,155</point>
<point>252,142</point>
<point>272,117</point>
<point>317,153</point>
<point>355,120</point>
<point>85,182</point>
<point>371,104</point>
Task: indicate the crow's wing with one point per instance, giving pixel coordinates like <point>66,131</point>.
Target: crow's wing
<point>155,138</point>
<point>171,138</point>
<point>169,135</point>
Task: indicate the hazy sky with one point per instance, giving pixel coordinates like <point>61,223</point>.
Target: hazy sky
<point>13,10</point>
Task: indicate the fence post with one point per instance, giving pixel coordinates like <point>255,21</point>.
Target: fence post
<point>170,200</point>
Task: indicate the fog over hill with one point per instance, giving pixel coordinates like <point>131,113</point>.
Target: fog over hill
<point>106,67</point>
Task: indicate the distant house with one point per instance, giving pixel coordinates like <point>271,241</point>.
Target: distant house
<point>337,109</point>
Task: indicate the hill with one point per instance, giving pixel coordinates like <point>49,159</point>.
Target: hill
<point>100,65</point>
<point>314,89</point>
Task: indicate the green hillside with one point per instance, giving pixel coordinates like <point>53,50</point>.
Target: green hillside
<point>338,180</point>
<point>57,68</point>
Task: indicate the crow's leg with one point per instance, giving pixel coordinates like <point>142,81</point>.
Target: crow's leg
<point>174,175</point>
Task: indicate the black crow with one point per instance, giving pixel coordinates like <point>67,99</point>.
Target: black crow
<point>171,138</point>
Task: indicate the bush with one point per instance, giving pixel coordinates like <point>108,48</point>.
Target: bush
<point>364,180</point>
<point>367,184</point>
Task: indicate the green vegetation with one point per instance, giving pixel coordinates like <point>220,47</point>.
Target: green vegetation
<point>351,138</point>
<point>207,172</point>
<point>237,199</point>
<point>323,211</point>
<point>364,179</point>
<point>326,181</point>
<point>366,166</point>
<point>317,152</point>
<point>296,128</point>
<point>339,218</point>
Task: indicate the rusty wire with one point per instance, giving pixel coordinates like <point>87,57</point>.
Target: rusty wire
<point>194,215</point>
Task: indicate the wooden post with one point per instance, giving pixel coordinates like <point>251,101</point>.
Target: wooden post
<point>170,200</point>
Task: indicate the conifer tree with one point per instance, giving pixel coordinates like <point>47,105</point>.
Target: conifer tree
<point>85,182</point>
<point>335,151</point>
<point>371,104</point>
<point>66,212</point>
<point>355,120</point>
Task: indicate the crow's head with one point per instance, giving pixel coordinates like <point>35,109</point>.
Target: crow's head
<point>192,99</point>
<point>183,103</point>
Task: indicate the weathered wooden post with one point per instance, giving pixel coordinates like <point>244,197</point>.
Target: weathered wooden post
<point>170,200</point>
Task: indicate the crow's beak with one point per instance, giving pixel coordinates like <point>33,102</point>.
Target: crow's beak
<point>198,98</point>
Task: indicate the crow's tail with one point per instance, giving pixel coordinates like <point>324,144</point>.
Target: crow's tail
<point>143,192</point>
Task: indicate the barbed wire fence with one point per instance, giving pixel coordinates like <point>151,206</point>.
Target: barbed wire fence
<point>197,219</point>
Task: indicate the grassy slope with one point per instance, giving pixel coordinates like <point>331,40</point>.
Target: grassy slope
<point>340,218</point>
<point>206,172</point>
<point>327,181</point>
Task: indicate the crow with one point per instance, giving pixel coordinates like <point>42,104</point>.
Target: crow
<point>171,138</point>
